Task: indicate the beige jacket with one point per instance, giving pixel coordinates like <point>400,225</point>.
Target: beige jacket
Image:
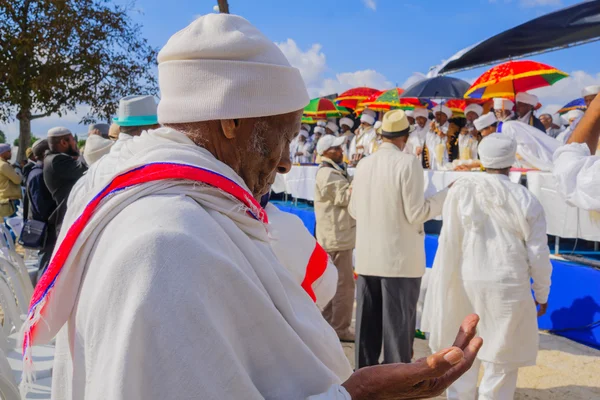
<point>336,229</point>
<point>10,188</point>
<point>390,209</point>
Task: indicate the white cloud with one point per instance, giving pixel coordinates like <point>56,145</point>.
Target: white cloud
<point>540,3</point>
<point>416,77</point>
<point>566,90</point>
<point>348,80</point>
<point>370,4</point>
<point>311,62</point>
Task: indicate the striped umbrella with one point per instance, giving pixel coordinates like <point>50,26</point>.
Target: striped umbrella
<point>577,104</point>
<point>353,97</point>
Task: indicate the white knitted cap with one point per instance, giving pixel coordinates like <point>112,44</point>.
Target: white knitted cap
<point>421,112</point>
<point>368,119</point>
<point>332,126</point>
<point>59,131</point>
<point>497,151</point>
<point>347,121</point>
<point>527,98</point>
<point>484,121</point>
<point>476,108</point>
<point>222,67</point>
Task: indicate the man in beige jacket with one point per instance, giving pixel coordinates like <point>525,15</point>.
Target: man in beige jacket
<point>389,207</point>
<point>10,183</point>
<point>336,230</point>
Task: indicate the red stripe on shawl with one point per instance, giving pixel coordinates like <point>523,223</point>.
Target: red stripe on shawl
<point>317,264</point>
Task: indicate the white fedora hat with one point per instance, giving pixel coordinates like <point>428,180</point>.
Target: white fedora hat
<point>137,111</point>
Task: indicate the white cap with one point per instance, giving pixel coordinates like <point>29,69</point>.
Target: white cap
<point>409,113</point>
<point>443,109</point>
<point>306,127</point>
<point>367,118</point>
<point>497,151</point>
<point>421,112</point>
<point>95,147</point>
<point>321,123</point>
<point>59,131</point>
<point>332,126</point>
<point>590,90</point>
<point>527,98</point>
<point>222,67</point>
<point>370,112</point>
<point>37,143</point>
<point>476,108</point>
<point>329,141</point>
<point>484,121</point>
<point>320,129</point>
<point>303,133</point>
<point>503,104</point>
<point>347,121</point>
<point>574,114</point>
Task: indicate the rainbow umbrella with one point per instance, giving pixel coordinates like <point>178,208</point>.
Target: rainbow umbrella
<point>322,108</point>
<point>308,120</point>
<point>353,97</point>
<point>577,104</point>
<point>513,77</point>
<point>343,110</point>
<point>385,101</point>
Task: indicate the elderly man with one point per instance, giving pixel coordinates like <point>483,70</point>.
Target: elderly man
<point>62,169</point>
<point>97,144</point>
<point>389,207</point>
<point>364,137</point>
<point>301,150</point>
<point>588,93</point>
<point>492,244</point>
<point>336,230</point>
<point>441,144</point>
<point>552,130</point>
<point>467,140</point>
<point>346,125</point>
<point>331,128</point>
<point>416,139</point>
<point>503,108</point>
<point>525,106</point>
<point>10,183</point>
<point>576,167</point>
<point>169,260</point>
<point>137,114</point>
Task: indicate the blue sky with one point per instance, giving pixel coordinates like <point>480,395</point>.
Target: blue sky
<point>378,43</point>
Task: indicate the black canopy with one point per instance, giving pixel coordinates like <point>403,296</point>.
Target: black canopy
<point>570,26</point>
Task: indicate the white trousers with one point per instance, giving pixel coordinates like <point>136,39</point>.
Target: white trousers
<point>422,293</point>
<point>495,385</point>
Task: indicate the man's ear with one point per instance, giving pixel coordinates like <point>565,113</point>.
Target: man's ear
<point>229,127</point>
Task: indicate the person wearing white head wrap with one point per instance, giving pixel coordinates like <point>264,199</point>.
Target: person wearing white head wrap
<point>365,137</point>
<point>526,103</point>
<point>441,143</point>
<point>483,212</point>
<point>467,140</point>
<point>346,125</point>
<point>416,139</point>
<point>573,117</point>
<point>503,108</point>
<point>589,93</point>
<point>410,114</point>
<point>322,123</point>
<point>331,128</point>
<point>301,152</point>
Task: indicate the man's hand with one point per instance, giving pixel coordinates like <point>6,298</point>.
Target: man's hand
<point>432,125</point>
<point>423,379</point>
<point>419,151</point>
<point>543,308</point>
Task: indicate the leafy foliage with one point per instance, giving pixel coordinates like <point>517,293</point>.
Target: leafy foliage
<point>17,142</point>
<point>2,137</point>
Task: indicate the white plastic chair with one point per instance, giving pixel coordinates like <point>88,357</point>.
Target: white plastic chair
<point>8,252</point>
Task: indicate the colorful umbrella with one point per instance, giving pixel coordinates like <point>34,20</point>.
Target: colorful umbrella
<point>308,120</point>
<point>390,99</point>
<point>353,97</point>
<point>577,104</point>
<point>458,106</point>
<point>343,110</point>
<point>321,108</point>
<point>514,77</point>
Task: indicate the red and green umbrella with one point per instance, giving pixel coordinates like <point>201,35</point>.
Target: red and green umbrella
<point>321,108</point>
<point>353,97</point>
<point>514,77</point>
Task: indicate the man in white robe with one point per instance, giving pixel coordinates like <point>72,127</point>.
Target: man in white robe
<point>302,153</point>
<point>492,244</point>
<point>364,137</point>
<point>346,125</point>
<point>576,167</point>
<point>441,139</point>
<point>193,301</point>
<point>588,93</point>
<point>526,104</point>
<point>503,109</point>
<point>416,139</point>
<point>467,140</point>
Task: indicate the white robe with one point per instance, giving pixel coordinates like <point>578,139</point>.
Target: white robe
<point>534,148</point>
<point>467,147</point>
<point>438,149</point>
<point>304,148</point>
<point>416,139</point>
<point>565,135</point>
<point>182,295</point>
<point>365,139</point>
<point>577,174</point>
<point>492,242</point>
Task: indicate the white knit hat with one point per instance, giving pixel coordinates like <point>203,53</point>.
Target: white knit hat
<point>329,141</point>
<point>497,151</point>
<point>332,126</point>
<point>367,118</point>
<point>574,114</point>
<point>484,121</point>
<point>503,104</point>
<point>443,109</point>
<point>590,90</point>
<point>222,67</point>
<point>527,98</point>
<point>421,112</point>
<point>476,108</point>
<point>347,121</point>
<point>59,131</point>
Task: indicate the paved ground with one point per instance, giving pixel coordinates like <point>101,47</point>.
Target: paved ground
<point>566,370</point>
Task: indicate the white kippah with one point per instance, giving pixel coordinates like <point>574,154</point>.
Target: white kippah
<point>59,131</point>
<point>421,112</point>
<point>484,121</point>
<point>503,104</point>
<point>497,151</point>
<point>476,108</point>
<point>527,98</point>
<point>367,118</point>
<point>222,67</point>
<point>332,126</point>
<point>347,121</point>
<point>590,90</point>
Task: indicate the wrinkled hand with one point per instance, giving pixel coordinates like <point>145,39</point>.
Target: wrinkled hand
<point>419,151</point>
<point>543,308</point>
<point>423,379</point>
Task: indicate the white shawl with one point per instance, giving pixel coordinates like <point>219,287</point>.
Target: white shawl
<point>173,291</point>
<point>534,148</point>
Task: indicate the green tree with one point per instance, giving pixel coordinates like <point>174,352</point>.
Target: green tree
<point>32,140</point>
<point>80,143</point>
<point>2,137</point>
<point>58,54</point>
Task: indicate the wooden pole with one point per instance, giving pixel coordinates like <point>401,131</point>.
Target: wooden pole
<point>223,6</point>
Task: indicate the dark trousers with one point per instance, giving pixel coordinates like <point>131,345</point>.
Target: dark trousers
<point>386,313</point>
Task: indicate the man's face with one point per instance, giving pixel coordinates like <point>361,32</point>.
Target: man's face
<point>523,109</point>
<point>365,126</point>
<point>421,121</point>
<point>471,116</point>
<point>345,128</point>
<point>6,155</point>
<point>301,139</point>
<point>335,154</point>
<point>588,99</point>
<point>411,120</point>
<point>72,146</point>
<point>501,114</point>
<point>546,121</point>
<point>488,131</point>
<point>441,118</point>
<point>329,131</point>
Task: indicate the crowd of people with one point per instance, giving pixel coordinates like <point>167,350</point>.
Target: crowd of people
<point>167,274</point>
